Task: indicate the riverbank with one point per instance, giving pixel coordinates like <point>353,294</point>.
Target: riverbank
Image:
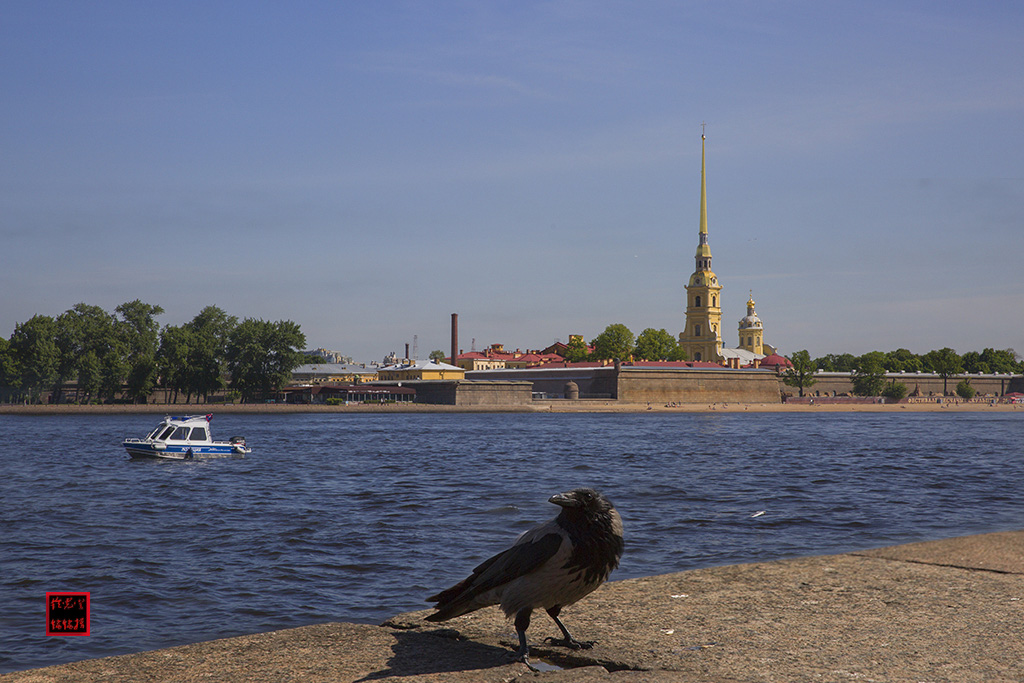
<point>949,610</point>
<point>541,406</point>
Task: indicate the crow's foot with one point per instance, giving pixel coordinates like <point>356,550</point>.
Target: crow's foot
<point>570,643</point>
<point>524,657</point>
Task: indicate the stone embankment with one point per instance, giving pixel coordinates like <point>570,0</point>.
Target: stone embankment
<point>538,406</point>
<point>949,610</point>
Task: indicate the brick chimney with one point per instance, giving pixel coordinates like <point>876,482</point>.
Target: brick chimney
<point>455,338</point>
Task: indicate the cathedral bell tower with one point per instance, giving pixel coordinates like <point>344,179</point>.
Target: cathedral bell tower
<point>751,330</point>
<point>702,336</point>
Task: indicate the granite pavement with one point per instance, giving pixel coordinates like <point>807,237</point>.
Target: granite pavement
<point>939,611</point>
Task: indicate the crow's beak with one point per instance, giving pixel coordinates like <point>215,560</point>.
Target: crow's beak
<point>564,500</point>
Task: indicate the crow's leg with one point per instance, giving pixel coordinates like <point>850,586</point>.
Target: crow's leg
<point>567,639</point>
<point>523,623</point>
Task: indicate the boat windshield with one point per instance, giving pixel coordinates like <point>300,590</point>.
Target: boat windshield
<point>159,435</point>
<point>198,434</point>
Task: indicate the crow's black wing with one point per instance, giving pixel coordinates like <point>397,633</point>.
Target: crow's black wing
<point>519,560</point>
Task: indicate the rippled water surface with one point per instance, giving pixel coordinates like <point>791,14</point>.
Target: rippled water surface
<point>359,517</point>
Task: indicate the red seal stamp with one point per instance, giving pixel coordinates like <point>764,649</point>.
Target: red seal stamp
<point>67,614</point>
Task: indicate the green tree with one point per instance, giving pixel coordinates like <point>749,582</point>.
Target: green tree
<point>902,360</point>
<point>845,362</point>
<point>801,375</point>
<point>207,356</point>
<point>872,359</point>
<point>36,357</point>
<point>991,361</point>
<point>68,340</point>
<point>86,334</point>
<point>869,376</point>
<point>972,362</point>
<point>678,353</point>
<point>89,376</point>
<point>438,356</point>
<point>652,344</point>
<point>1001,361</point>
<point>261,356</point>
<point>7,372</point>
<point>113,366</point>
<point>576,350</point>
<point>895,390</point>
<point>945,362</point>
<point>965,390</point>
<point>141,335</point>
<point>616,342</point>
<point>172,360</point>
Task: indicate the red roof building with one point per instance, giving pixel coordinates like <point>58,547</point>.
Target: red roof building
<point>776,362</point>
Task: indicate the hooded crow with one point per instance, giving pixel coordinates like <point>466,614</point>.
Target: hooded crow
<point>550,566</point>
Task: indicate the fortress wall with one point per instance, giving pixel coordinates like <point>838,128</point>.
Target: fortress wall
<point>504,393</point>
<point>697,385</point>
<point>927,384</point>
<point>591,381</point>
<point>655,385</point>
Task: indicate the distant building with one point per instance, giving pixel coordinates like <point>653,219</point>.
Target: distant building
<point>319,373</point>
<point>495,357</point>
<point>474,360</point>
<point>776,362</point>
<point>408,370</point>
<point>328,356</point>
<point>560,349</point>
<point>346,393</point>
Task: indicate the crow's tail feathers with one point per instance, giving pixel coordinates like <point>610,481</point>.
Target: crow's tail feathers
<point>452,593</point>
<point>452,610</point>
<point>449,604</point>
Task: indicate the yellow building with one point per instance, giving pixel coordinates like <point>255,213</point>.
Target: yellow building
<point>474,360</point>
<point>701,339</point>
<point>419,370</point>
<point>751,330</point>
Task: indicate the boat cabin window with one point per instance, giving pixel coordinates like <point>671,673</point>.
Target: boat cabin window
<point>167,433</point>
<point>180,434</point>
<point>199,434</point>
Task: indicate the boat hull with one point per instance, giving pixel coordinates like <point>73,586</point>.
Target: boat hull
<point>172,452</point>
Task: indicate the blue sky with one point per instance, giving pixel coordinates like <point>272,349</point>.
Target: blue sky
<point>368,168</point>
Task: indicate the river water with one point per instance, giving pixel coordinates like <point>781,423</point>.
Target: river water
<point>359,517</point>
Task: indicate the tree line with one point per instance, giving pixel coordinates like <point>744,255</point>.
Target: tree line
<point>617,342</point>
<point>126,355</point>
<point>868,371</point>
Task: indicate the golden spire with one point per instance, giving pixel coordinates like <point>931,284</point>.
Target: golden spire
<point>703,187</point>
<point>703,250</point>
